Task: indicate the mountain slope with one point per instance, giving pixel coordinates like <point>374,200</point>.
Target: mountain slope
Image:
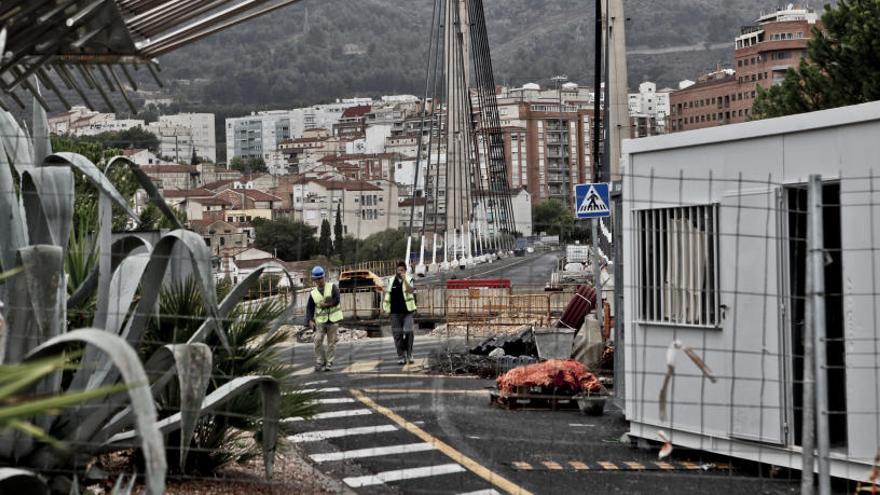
<point>317,50</point>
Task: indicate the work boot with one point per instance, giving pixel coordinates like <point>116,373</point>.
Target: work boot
<point>401,360</point>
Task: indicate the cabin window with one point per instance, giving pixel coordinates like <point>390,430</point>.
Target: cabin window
<point>677,265</point>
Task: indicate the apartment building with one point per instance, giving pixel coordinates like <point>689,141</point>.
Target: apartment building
<point>764,52</point>
<point>182,134</point>
<point>367,207</point>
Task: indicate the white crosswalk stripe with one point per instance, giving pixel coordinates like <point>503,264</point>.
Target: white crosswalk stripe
<point>316,436</point>
<point>373,452</point>
<point>335,414</point>
<point>403,474</point>
<point>337,400</point>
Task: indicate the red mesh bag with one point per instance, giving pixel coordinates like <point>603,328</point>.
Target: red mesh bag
<point>557,374</point>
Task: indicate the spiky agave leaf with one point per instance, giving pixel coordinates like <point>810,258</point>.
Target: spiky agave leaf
<point>16,143</point>
<point>125,360</point>
<point>12,220</point>
<point>193,364</point>
<point>41,144</point>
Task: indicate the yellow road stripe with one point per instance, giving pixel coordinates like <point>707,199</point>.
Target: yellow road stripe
<point>470,464</point>
<point>609,465</point>
<point>552,465</point>
<point>525,466</point>
<point>477,392</point>
<point>363,366</point>
<point>690,465</point>
<point>580,466</point>
<point>416,374</point>
<point>664,465</point>
<point>635,465</point>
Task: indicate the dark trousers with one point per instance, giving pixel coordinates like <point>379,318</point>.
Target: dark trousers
<point>402,331</point>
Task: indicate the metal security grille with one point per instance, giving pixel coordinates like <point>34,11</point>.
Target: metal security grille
<point>676,250</point>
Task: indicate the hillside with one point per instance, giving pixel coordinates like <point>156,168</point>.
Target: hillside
<point>315,50</point>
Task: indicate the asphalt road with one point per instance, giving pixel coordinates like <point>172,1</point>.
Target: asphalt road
<point>532,270</point>
<point>384,428</point>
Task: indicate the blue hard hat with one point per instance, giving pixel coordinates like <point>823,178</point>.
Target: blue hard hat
<point>317,272</point>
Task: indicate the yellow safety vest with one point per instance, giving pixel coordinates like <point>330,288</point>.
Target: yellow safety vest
<point>408,298</point>
<point>322,315</point>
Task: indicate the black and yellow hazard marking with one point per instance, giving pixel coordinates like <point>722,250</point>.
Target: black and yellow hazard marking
<point>616,466</point>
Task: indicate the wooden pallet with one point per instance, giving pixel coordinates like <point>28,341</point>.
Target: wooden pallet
<point>525,399</point>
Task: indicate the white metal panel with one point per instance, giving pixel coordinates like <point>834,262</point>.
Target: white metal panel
<point>749,283</point>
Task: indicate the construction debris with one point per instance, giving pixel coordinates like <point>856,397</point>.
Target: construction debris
<point>555,384</point>
<point>521,343</point>
<point>554,376</point>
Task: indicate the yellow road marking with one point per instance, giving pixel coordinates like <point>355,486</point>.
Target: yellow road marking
<point>552,465</point>
<point>416,374</point>
<point>525,466</point>
<point>664,465</point>
<point>578,465</point>
<point>690,465</point>
<point>635,465</point>
<point>477,392</point>
<point>470,464</point>
<point>363,366</point>
<point>609,465</point>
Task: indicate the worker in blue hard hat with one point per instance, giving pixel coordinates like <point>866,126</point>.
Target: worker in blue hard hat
<point>323,314</point>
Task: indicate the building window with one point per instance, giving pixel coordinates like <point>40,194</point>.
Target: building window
<point>677,267</point>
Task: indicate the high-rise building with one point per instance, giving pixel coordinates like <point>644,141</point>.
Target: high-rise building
<point>181,134</point>
<point>546,145</point>
<point>764,52</point>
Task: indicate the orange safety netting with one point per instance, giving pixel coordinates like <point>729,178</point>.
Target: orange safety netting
<point>555,373</point>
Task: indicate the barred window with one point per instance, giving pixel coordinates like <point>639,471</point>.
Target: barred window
<point>676,253</point>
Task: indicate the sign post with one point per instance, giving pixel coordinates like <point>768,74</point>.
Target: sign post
<point>593,200</point>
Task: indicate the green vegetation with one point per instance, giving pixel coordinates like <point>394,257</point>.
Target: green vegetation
<point>325,245</point>
<point>289,240</point>
<point>254,350</point>
<point>248,166</point>
<point>842,67</point>
<point>338,242</point>
<point>113,399</point>
<point>296,241</point>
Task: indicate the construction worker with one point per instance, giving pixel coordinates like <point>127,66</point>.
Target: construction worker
<point>323,314</point>
<point>400,303</point>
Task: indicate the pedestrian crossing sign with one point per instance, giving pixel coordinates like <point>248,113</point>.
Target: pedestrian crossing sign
<point>593,200</point>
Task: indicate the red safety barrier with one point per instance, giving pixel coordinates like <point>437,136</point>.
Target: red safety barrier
<point>481,283</point>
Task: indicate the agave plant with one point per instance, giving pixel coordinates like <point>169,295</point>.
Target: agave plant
<point>254,349</point>
<point>36,220</point>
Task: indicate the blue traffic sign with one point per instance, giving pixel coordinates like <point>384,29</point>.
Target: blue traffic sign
<point>593,200</point>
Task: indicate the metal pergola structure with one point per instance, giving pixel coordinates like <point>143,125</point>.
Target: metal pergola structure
<point>96,44</point>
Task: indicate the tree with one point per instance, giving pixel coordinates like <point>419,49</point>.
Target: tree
<point>248,166</point>
<point>386,245</point>
<point>325,245</point>
<point>339,243</point>
<point>552,217</point>
<point>290,240</point>
<point>842,65</point>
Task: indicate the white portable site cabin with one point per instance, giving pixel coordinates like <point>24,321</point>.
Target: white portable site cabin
<point>714,232</point>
